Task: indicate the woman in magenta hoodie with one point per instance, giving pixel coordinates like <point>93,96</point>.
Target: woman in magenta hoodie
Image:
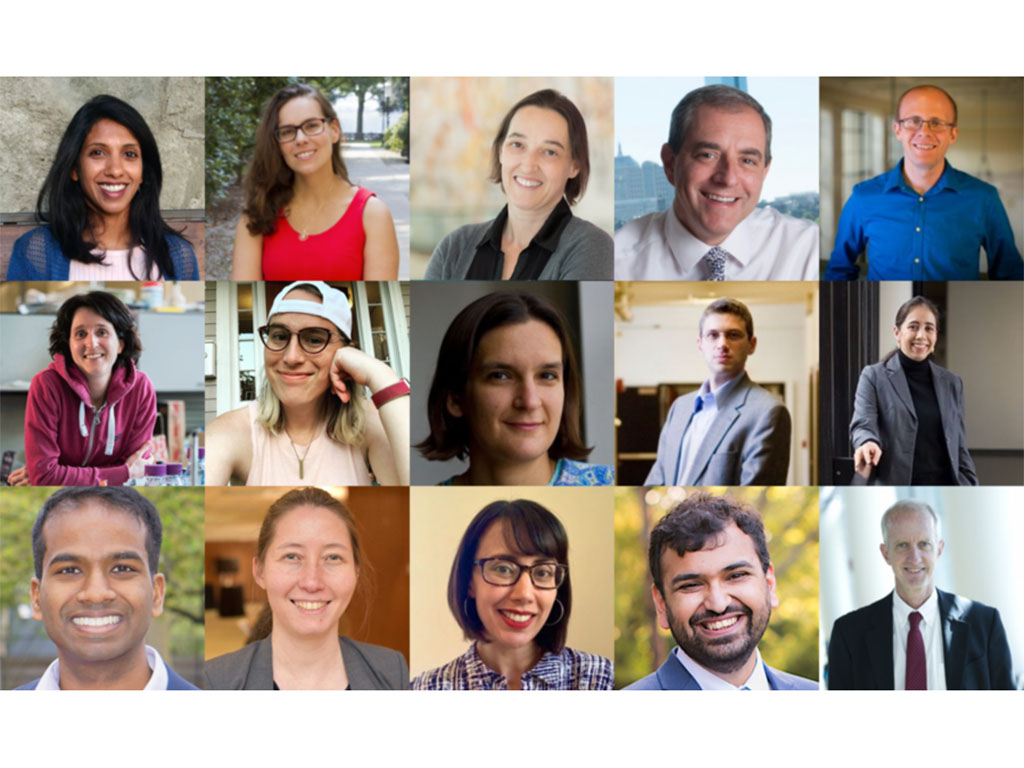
<point>90,414</point>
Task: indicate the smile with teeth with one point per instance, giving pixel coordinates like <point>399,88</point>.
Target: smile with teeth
<point>95,621</point>
<point>719,198</point>
<point>526,182</point>
<point>304,155</point>
<point>310,605</point>
<point>97,356</point>
<point>114,188</point>
<point>720,624</point>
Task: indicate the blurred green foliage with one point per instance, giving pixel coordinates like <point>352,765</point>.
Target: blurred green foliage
<point>233,106</point>
<point>791,524</point>
<point>182,514</point>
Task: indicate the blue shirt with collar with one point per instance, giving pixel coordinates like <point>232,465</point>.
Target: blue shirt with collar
<point>934,236</point>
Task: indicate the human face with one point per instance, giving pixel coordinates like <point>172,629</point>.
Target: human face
<point>308,571</point>
<point>911,549</point>
<point>536,160</point>
<point>109,168</point>
<point>515,394</point>
<point>725,346</point>
<point>296,376</point>
<point>918,334</point>
<point>94,343</point>
<point>306,154</point>
<point>718,171</point>
<point>717,602</point>
<point>96,596</point>
<point>925,148</point>
<point>512,616</point>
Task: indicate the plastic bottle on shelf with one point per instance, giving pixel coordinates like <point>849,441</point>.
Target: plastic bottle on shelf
<point>202,465</point>
<point>174,475</point>
<point>156,475</point>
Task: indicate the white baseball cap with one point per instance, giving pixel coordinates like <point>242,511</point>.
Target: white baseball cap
<point>334,308</point>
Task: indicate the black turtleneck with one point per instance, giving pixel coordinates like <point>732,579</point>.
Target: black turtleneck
<point>931,459</point>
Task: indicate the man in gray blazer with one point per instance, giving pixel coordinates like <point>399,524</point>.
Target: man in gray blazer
<point>714,589</point>
<point>730,431</point>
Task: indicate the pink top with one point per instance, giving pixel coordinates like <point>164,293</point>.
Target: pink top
<point>327,462</point>
<point>336,254</point>
<point>116,265</point>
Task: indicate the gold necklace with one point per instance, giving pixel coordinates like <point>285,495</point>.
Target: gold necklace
<point>301,459</point>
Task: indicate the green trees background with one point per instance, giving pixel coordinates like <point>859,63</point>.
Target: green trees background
<point>791,524</point>
<point>233,107</point>
<point>181,561</point>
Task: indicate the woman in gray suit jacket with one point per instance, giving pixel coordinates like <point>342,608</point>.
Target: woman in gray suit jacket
<point>308,559</point>
<point>908,414</point>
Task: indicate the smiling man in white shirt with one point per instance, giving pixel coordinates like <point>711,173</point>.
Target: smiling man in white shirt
<point>918,637</point>
<point>717,157</point>
<point>97,589</point>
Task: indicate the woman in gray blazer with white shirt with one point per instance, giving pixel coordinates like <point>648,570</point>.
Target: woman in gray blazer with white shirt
<point>308,560</point>
<point>908,414</point>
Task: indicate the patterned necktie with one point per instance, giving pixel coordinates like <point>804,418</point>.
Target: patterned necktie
<point>917,672</point>
<point>714,263</point>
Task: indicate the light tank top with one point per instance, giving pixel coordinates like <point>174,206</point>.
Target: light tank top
<point>327,462</point>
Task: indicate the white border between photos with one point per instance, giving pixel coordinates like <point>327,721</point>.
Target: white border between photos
<point>510,38</point>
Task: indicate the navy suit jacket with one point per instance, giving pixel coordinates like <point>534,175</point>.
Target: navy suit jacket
<point>883,412</point>
<point>746,444</point>
<point>977,655</point>
<point>673,676</point>
<point>175,682</point>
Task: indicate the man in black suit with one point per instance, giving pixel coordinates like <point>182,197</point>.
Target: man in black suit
<point>918,637</point>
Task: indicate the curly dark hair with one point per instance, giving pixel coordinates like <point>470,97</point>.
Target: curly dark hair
<point>111,309</point>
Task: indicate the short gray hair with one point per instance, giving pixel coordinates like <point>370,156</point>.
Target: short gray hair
<point>909,504</point>
<point>719,96</point>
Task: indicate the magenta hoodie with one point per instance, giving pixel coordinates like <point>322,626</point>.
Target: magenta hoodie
<point>68,442</point>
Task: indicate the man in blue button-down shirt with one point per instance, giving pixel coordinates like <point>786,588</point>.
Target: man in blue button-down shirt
<point>924,220</point>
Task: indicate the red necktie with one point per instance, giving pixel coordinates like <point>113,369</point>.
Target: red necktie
<point>917,671</point>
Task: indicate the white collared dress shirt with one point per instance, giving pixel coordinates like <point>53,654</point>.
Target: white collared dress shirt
<point>50,681</point>
<point>708,681</point>
<point>767,245</point>
<point>931,633</point>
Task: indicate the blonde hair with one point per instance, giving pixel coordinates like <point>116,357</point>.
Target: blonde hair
<point>346,422</point>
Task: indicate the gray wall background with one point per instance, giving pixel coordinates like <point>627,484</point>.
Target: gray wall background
<point>587,306</point>
<point>36,110</point>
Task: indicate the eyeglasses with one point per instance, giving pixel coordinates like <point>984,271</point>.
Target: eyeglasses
<point>312,127</point>
<point>914,122</point>
<point>277,338</point>
<point>504,573</point>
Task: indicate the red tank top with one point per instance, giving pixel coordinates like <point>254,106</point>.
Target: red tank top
<point>336,254</point>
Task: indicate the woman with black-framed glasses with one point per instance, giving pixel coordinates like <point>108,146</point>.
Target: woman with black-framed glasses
<point>510,591</point>
<point>303,217</point>
<point>312,423</point>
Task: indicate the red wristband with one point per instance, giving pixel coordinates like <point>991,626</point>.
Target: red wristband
<point>399,389</point>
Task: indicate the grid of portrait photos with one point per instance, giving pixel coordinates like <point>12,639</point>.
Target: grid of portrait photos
<point>498,383</point>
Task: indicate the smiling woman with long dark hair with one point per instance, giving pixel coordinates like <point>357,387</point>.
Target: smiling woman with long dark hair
<point>303,217</point>
<point>101,205</point>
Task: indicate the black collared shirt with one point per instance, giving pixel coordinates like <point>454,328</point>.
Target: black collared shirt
<point>489,259</point>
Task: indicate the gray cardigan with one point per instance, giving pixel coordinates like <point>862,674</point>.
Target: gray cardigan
<point>369,668</point>
<point>584,252</point>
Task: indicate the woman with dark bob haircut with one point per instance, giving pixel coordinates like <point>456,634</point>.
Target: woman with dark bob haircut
<point>541,160</point>
<point>310,563</point>
<point>101,203</point>
<point>908,413</point>
<point>303,217</point>
<point>506,395</point>
<point>90,414</point>
<point>509,590</point>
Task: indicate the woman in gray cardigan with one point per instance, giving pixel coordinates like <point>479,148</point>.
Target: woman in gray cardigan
<point>308,560</point>
<point>541,159</point>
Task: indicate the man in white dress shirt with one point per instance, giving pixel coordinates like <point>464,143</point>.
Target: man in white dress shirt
<point>97,589</point>
<point>717,156</point>
<point>918,637</point>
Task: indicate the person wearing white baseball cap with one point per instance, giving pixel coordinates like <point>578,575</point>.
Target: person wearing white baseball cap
<point>311,423</point>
